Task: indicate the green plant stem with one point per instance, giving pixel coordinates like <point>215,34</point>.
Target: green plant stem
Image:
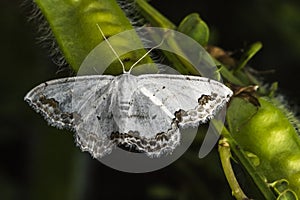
<point>242,157</point>
<point>228,74</point>
<point>249,53</point>
<point>225,155</point>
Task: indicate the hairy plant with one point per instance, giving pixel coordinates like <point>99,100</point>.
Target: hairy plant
<point>260,133</point>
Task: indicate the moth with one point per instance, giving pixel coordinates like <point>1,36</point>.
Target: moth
<point>142,113</point>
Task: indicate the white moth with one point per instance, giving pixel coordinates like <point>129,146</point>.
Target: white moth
<point>139,113</point>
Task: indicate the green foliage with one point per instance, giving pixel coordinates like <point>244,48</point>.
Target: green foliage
<point>261,138</point>
<point>267,133</point>
<point>74,26</point>
<point>195,27</point>
<point>249,53</point>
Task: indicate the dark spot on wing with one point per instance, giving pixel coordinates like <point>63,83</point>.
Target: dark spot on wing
<point>178,114</point>
<point>52,112</point>
<point>163,87</point>
<point>133,142</point>
<point>119,139</point>
<point>133,148</point>
<point>204,99</point>
<point>51,102</point>
<point>161,136</point>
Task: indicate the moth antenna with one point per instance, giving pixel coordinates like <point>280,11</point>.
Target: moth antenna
<point>134,64</point>
<point>110,46</point>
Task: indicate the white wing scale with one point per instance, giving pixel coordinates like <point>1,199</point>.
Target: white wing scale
<point>194,99</point>
<point>137,112</point>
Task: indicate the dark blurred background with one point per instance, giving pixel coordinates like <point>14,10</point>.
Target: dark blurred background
<point>41,162</point>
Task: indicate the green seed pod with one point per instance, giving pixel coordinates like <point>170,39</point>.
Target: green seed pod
<point>74,26</point>
<point>266,132</point>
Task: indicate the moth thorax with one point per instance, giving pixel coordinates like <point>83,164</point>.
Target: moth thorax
<point>127,84</point>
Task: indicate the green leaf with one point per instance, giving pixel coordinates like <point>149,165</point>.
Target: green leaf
<point>193,26</point>
<point>74,26</point>
<point>248,54</point>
